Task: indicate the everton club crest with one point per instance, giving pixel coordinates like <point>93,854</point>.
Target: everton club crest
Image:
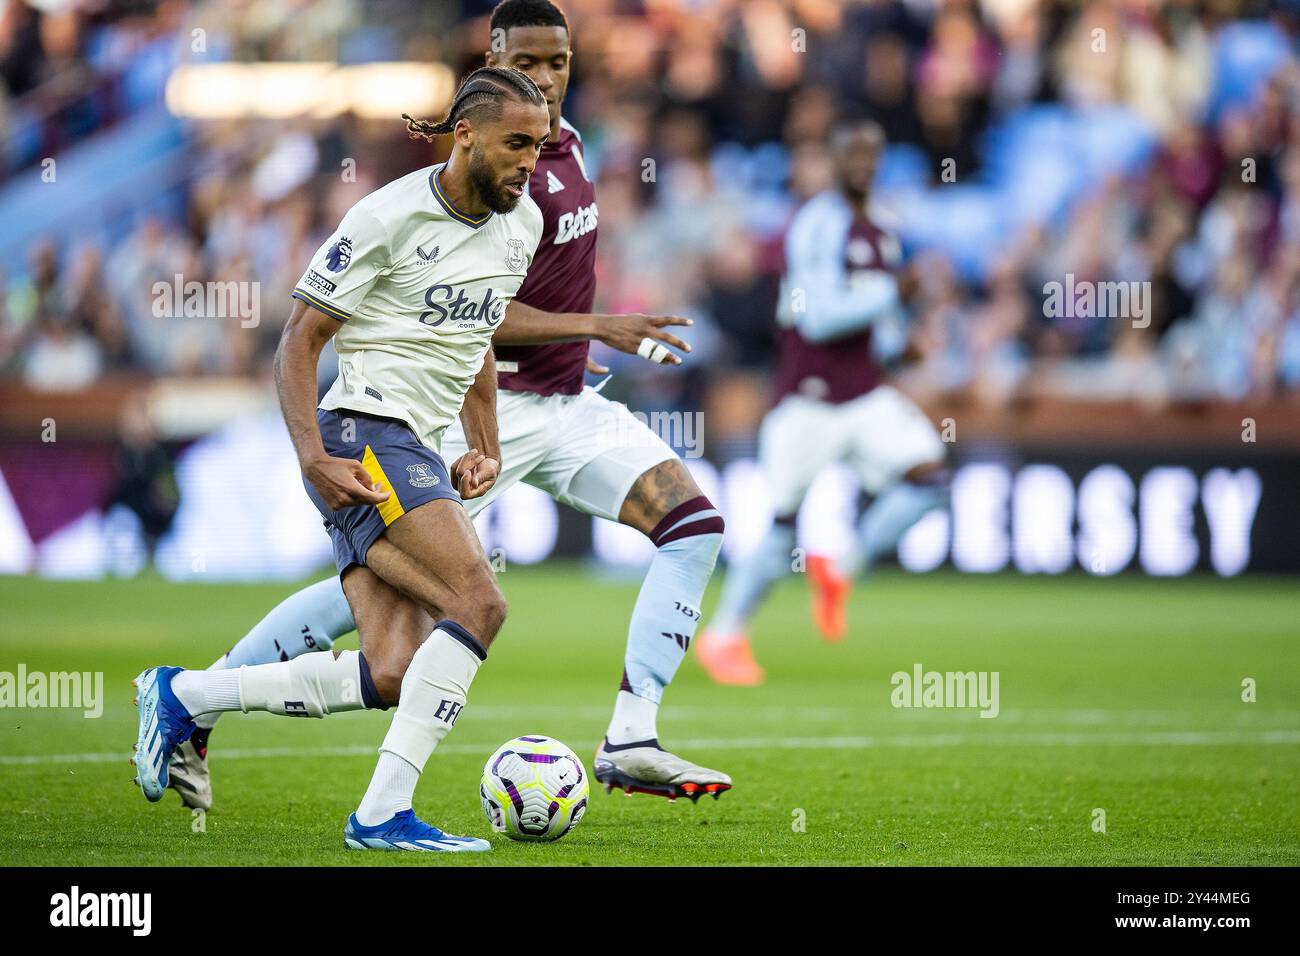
<point>421,475</point>
<point>516,257</point>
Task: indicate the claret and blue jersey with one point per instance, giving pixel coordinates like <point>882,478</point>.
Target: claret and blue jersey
<point>839,279</point>
<point>563,275</point>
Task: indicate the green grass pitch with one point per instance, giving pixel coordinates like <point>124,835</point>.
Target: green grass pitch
<point>1122,695</point>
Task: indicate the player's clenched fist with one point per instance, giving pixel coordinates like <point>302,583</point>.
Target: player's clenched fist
<point>642,335</point>
<point>475,473</point>
<point>342,482</point>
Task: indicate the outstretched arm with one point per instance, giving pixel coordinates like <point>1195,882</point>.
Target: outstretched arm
<point>525,325</point>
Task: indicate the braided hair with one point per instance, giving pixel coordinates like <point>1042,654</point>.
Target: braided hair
<point>479,97</point>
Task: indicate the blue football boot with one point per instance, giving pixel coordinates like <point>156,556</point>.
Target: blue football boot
<point>164,725</point>
<point>406,831</point>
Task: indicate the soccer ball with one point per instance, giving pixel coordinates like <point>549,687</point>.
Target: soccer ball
<point>534,788</point>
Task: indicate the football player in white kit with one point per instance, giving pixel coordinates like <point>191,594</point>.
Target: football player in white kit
<point>564,438</point>
<point>413,334</point>
<point>831,405</point>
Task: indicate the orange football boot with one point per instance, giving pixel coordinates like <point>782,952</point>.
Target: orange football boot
<point>830,593</point>
<point>728,659</point>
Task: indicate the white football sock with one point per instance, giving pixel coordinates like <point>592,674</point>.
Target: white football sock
<point>209,720</point>
<point>311,619</point>
<point>390,790</point>
<point>203,691</point>
<point>434,690</point>
<point>310,686</point>
<point>634,719</point>
<point>666,614</point>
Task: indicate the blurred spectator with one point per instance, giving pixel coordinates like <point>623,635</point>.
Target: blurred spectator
<point>146,481</point>
<point>703,124</point>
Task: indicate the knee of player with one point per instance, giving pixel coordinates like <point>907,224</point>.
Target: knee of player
<point>493,610</point>
<point>386,675</point>
<point>696,524</point>
<point>383,666</point>
<point>482,611</point>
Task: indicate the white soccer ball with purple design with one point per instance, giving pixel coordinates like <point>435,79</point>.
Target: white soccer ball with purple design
<point>534,788</point>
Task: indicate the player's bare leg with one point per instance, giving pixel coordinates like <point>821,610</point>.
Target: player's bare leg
<point>431,563</point>
<point>428,564</point>
<point>667,506</point>
<point>390,628</point>
<point>920,490</point>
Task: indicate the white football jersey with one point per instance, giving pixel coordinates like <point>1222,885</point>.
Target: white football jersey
<point>420,287</point>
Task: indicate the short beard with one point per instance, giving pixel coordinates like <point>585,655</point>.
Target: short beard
<point>485,184</point>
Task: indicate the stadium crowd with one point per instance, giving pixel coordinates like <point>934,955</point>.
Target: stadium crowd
<point>703,123</point>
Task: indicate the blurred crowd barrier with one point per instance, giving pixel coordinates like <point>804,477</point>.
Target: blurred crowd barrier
<point>101,482</point>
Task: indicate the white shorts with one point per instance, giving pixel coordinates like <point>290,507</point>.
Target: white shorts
<point>583,450</point>
<point>882,435</point>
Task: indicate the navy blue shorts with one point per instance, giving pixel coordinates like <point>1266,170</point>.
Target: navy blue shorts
<point>412,473</point>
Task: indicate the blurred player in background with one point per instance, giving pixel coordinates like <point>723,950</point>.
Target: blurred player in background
<point>580,448</point>
<point>414,336</point>
<point>841,280</point>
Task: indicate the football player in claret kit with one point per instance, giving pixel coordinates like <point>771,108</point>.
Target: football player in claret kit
<point>831,406</point>
<point>413,334</point>
<point>562,437</point>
